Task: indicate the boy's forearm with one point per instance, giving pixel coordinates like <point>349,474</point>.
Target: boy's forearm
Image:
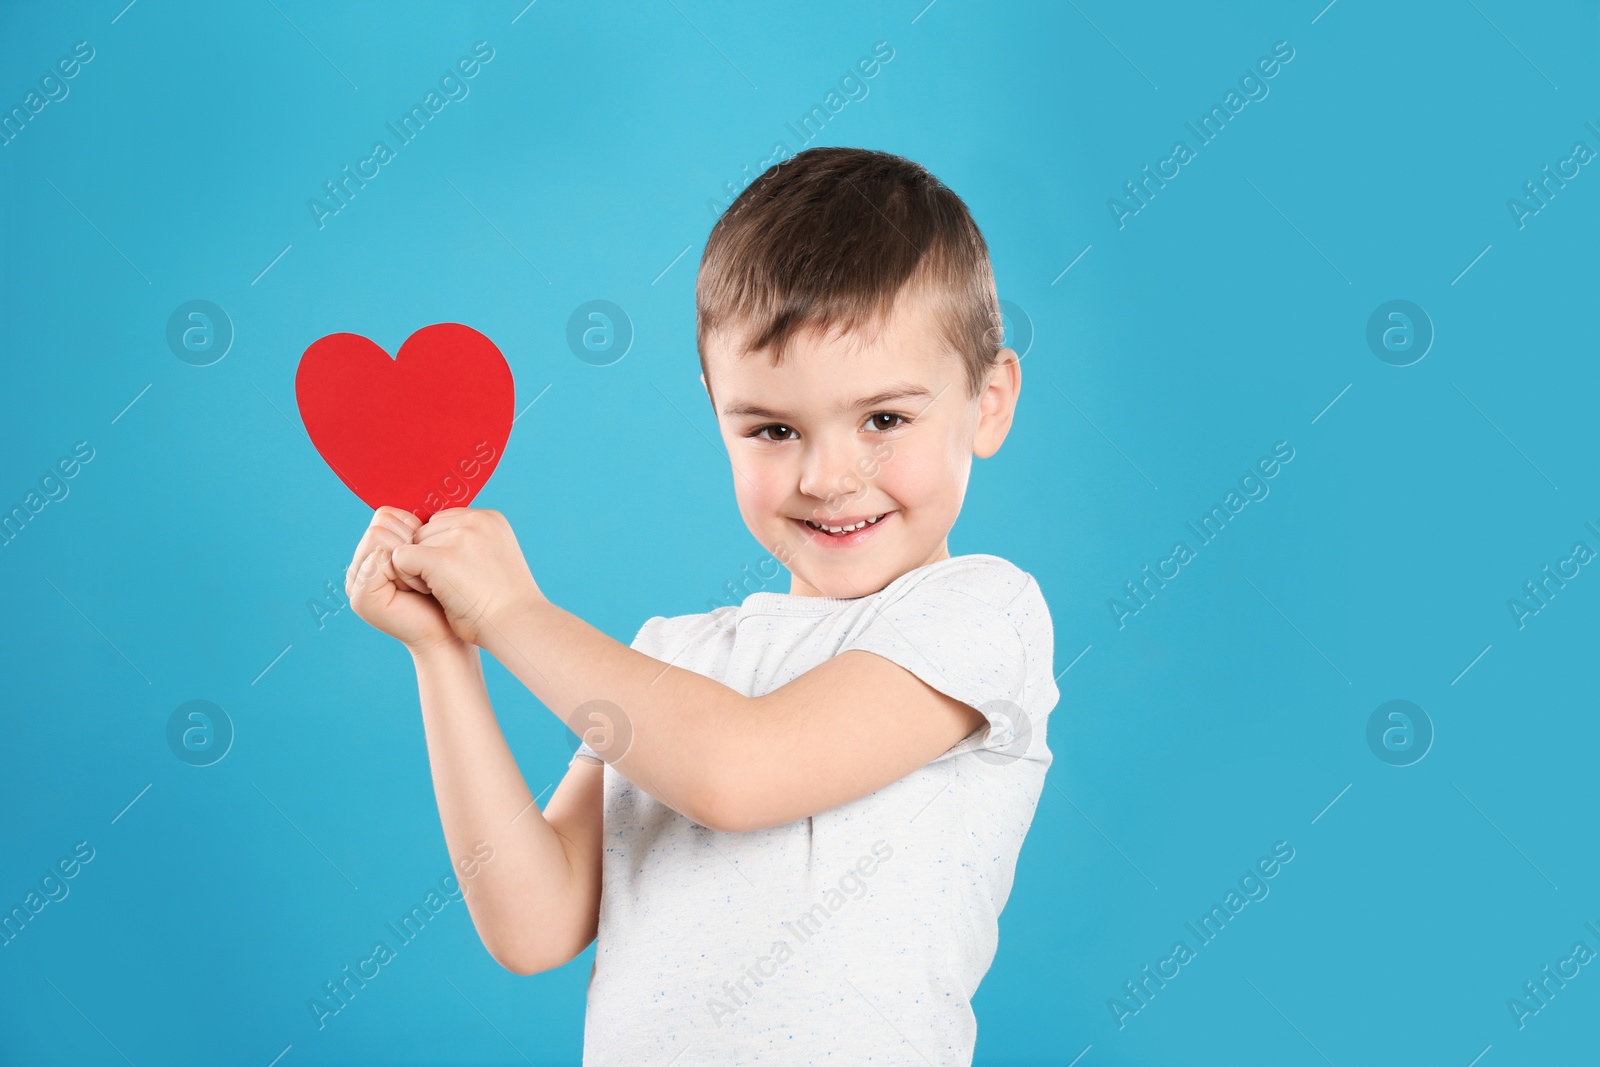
<point>520,900</point>
<point>675,724</point>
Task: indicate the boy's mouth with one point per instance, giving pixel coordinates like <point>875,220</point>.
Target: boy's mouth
<point>850,532</point>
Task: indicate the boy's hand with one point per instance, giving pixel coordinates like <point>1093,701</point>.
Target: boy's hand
<point>470,561</point>
<point>381,596</point>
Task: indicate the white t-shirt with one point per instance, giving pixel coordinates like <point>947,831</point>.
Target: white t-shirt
<point>857,935</point>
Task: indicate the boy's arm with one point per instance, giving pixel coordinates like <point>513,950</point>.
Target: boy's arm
<point>840,731</point>
<point>535,900</point>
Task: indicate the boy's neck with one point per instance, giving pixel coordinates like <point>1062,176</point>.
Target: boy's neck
<point>797,587</point>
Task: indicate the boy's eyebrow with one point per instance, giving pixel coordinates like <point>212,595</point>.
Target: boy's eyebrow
<point>898,391</point>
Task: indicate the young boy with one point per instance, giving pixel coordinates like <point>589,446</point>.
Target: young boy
<point>792,823</point>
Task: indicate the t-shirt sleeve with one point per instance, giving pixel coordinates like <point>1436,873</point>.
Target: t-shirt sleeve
<point>644,641</point>
<point>978,631</point>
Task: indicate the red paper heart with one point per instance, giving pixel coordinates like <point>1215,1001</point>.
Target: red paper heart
<point>422,431</point>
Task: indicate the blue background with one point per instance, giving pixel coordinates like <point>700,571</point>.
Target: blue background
<point>1226,715</point>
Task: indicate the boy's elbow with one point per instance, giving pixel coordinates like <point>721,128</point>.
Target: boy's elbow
<point>527,960</point>
<point>716,806</point>
<point>726,796</point>
<point>735,807</point>
<point>518,965</point>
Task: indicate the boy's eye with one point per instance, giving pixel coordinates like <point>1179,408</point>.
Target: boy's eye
<point>760,430</point>
<point>777,431</point>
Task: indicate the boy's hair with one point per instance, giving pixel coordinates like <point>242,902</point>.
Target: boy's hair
<point>828,240</point>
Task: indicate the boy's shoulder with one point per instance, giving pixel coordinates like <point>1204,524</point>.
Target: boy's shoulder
<point>658,630</point>
<point>979,569</point>
<point>994,580</point>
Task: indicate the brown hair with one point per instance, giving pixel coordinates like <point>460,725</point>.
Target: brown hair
<point>828,239</point>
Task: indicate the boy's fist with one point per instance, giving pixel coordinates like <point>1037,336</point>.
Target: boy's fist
<point>398,606</point>
<point>470,561</point>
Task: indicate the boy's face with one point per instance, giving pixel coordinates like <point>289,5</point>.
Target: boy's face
<point>817,439</point>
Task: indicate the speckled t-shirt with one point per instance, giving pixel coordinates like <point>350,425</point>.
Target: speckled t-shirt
<point>857,935</point>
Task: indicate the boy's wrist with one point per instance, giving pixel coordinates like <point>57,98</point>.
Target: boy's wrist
<point>450,648</point>
<point>507,616</point>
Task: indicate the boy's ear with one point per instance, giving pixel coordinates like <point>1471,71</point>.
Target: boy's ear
<point>997,403</point>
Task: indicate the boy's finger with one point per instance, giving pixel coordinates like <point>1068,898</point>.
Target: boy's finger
<point>408,562</point>
<point>440,521</point>
<point>400,515</point>
<point>377,569</point>
<point>359,572</point>
<point>403,524</point>
<point>369,576</point>
<point>414,581</point>
<point>392,575</point>
<point>389,527</point>
<point>374,539</point>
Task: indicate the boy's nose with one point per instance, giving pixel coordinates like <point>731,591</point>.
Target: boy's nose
<point>829,471</point>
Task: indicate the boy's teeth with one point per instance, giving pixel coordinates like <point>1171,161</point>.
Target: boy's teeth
<point>844,529</point>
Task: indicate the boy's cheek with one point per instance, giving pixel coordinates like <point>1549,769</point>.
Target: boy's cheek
<point>763,503</point>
